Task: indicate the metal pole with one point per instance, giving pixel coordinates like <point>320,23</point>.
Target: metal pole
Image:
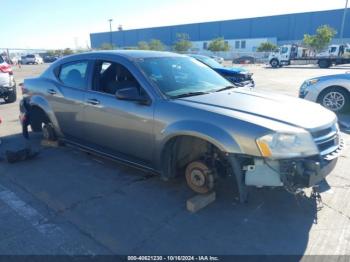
<point>110,32</point>
<point>343,22</point>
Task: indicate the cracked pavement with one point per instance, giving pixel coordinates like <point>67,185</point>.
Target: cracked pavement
<point>69,202</point>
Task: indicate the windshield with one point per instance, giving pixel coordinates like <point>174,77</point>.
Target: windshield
<point>178,76</point>
<point>1,59</point>
<point>284,50</point>
<point>209,61</point>
<point>333,49</point>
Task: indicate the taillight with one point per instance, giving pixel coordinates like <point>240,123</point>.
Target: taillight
<point>6,69</point>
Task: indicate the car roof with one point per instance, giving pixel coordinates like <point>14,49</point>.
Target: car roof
<point>132,54</point>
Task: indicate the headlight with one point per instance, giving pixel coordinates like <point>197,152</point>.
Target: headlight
<point>303,90</point>
<point>304,87</point>
<point>312,82</point>
<point>287,145</point>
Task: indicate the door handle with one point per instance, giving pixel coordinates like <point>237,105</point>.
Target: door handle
<point>52,92</point>
<point>93,102</point>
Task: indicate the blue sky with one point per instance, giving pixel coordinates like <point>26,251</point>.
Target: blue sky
<point>67,23</point>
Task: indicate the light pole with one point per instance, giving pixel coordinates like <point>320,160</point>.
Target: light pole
<point>110,32</point>
<point>343,22</point>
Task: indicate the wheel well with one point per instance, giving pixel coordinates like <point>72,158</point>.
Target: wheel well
<point>330,87</point>
<point>38,115</point>
<point>181,150</point>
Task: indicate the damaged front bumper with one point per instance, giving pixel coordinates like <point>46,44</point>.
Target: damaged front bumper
<point>293,174</point>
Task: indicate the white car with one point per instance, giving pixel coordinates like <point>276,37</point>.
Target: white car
<point>7,82</point>
<point>31,59</point>
<point>331,91</point>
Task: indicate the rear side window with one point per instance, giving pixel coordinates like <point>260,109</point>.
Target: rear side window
<point>74,74</point>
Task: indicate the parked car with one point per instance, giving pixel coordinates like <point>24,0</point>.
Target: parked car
<point>31,59</point>
<point>244,60</point>
<point>50,59</point>
<point>173,115</point>
<point>7,82</point>
<point>218,59</point>
<point>236,75</point>
<point>331,91</point>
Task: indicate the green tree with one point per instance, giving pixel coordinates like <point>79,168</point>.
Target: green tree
<point>130,47</point>
<point>51,52</point>
<point>218,44</point>
<point>143,45</point>
<point>156,45</point>
<point>322,38</point>
<point>106,46</point>
<point>67,51</point>
<point>183,43</point>
<point>58,52</point>
<point>267,47</point>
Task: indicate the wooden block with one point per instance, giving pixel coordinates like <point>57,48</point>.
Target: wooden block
<point>48,143</point>
<point>200,201</point>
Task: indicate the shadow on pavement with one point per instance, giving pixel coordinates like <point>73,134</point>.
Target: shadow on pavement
<point>132,212</point>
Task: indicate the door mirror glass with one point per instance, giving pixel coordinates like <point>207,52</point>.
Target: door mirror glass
<point>131,94</point>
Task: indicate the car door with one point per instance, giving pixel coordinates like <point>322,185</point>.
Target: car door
<point>122,128</point>
<point>67,95</point>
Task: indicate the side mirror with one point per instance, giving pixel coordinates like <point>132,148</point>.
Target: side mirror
<point>132,94</point>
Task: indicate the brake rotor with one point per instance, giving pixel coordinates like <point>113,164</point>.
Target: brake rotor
<point>199,177</point>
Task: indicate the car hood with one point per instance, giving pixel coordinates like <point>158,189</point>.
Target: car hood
<point>232,70</point>
<point>331,77</point>
<point>280,108</point>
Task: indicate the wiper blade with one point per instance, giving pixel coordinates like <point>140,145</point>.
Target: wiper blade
<point>226,88</point>
<point>190,94</point>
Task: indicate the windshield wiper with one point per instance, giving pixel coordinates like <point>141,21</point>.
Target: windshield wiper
<point>190,94</point>
<point>226,88</point>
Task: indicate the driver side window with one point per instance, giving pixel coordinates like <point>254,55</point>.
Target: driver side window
<point>109,77</point>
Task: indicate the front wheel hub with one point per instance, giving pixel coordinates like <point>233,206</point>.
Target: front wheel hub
<point>199,177</point>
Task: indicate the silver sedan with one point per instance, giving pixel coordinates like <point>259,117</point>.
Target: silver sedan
<point>331,91</point>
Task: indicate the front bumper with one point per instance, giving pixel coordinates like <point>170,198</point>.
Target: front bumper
<point>305,173</point>
<point>247,83</point>
<point>5,90</point>
<point>293,174</point>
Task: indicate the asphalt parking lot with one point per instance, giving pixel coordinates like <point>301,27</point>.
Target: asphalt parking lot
<point>68,202</point>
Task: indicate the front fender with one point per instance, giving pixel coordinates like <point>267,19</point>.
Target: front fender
<point>42,103</point>
<point>203,130</point>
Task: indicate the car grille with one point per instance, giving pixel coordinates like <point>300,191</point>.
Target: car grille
<point>327,140</point>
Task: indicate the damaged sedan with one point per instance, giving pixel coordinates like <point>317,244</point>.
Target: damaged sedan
<point>173,115</point>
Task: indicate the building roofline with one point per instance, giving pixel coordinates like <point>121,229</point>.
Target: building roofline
<point>218,21</point>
